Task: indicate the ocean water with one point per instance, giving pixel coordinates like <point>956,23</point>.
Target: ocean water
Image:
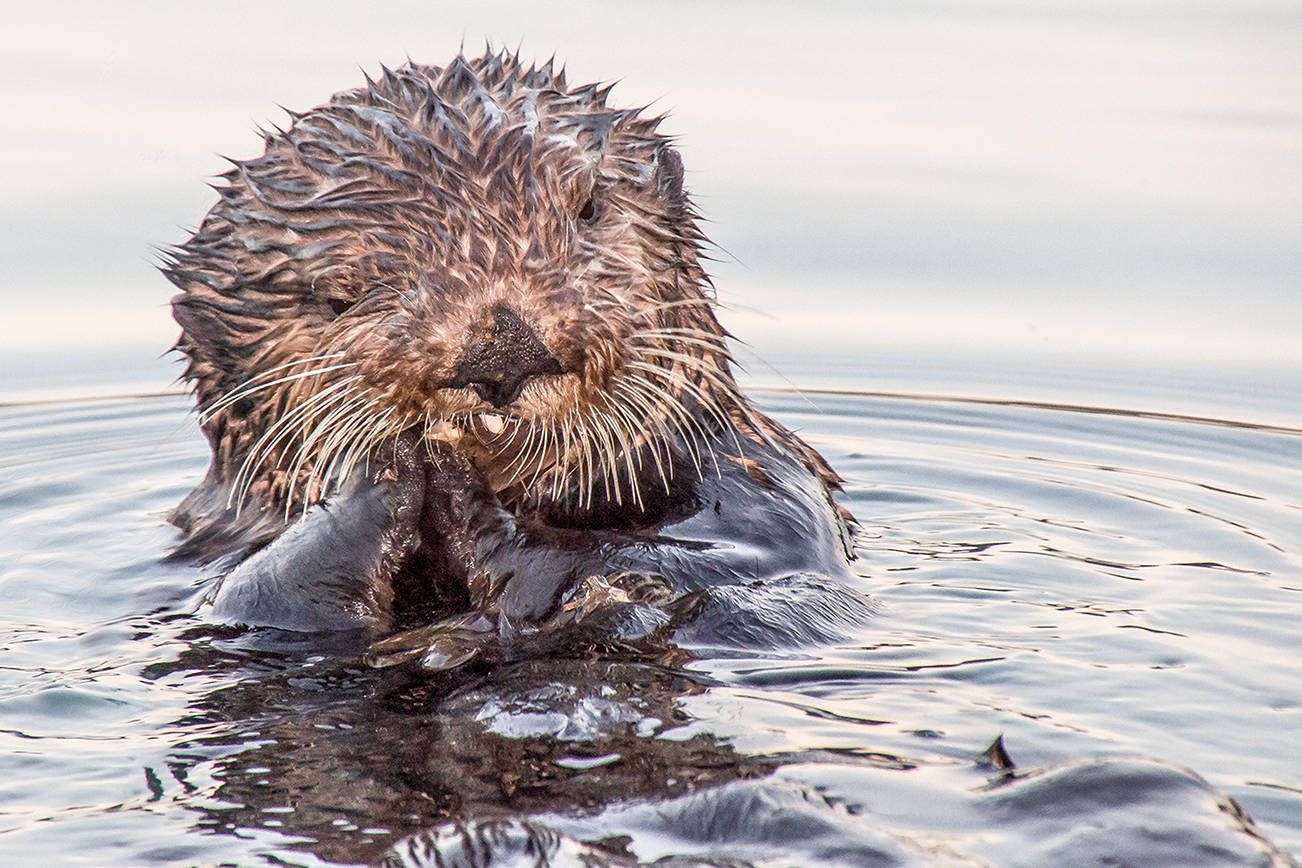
<point>1026,273</point>
<point>1114,593</point>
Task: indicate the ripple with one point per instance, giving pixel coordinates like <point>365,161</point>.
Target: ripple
<point>1089,582</point>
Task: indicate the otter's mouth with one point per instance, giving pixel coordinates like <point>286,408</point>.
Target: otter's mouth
<point>523,457</point>
<point>509,451</point>
<point>483,427</point>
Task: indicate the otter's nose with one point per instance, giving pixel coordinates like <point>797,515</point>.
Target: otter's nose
<point>504,358</point>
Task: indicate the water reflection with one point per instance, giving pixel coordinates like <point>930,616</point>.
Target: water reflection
<point>346,759</point>
<point>603,760</point>
<point>344,764</point>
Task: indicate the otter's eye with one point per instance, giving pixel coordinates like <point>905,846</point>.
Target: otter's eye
<point>589,211</point>
<point>339,305</point>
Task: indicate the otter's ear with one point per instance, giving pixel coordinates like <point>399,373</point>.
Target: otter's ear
<point>669,174</point>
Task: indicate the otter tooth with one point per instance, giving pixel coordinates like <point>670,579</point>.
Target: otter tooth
<point>493,422</point>
<point>447,432</point>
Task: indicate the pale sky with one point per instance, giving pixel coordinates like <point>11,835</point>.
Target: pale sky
<point>1079,179</point>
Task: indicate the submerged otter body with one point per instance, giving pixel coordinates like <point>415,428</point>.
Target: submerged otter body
<point>455,354</point>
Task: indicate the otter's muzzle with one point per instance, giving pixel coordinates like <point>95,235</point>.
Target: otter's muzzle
<point>504,358</point>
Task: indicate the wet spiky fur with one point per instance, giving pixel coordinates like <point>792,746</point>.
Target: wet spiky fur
<point>328,295</point>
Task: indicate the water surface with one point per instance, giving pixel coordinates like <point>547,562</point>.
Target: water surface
<point>1116,594</point>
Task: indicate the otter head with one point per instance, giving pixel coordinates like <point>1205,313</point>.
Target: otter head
<point>477,252</point>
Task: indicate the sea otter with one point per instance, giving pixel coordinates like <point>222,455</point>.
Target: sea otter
<point>456,356</point>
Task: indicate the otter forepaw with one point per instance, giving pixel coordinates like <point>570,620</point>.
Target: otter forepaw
<point>622,607</point>
<point>597,592</point>
<point>439,647</point>
<point>459,505</point>
<point>332,569</point>
<point>629,611</point>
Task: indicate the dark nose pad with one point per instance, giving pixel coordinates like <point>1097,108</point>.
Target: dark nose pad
<point>498,366</point>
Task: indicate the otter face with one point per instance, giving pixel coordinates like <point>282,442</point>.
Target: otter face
<point>509,266</point>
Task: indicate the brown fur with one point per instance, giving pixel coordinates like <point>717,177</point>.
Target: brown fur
<point>375,238</point>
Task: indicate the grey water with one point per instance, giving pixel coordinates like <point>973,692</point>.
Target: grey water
<point>1026,273</point>
<point>1116,594</point>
